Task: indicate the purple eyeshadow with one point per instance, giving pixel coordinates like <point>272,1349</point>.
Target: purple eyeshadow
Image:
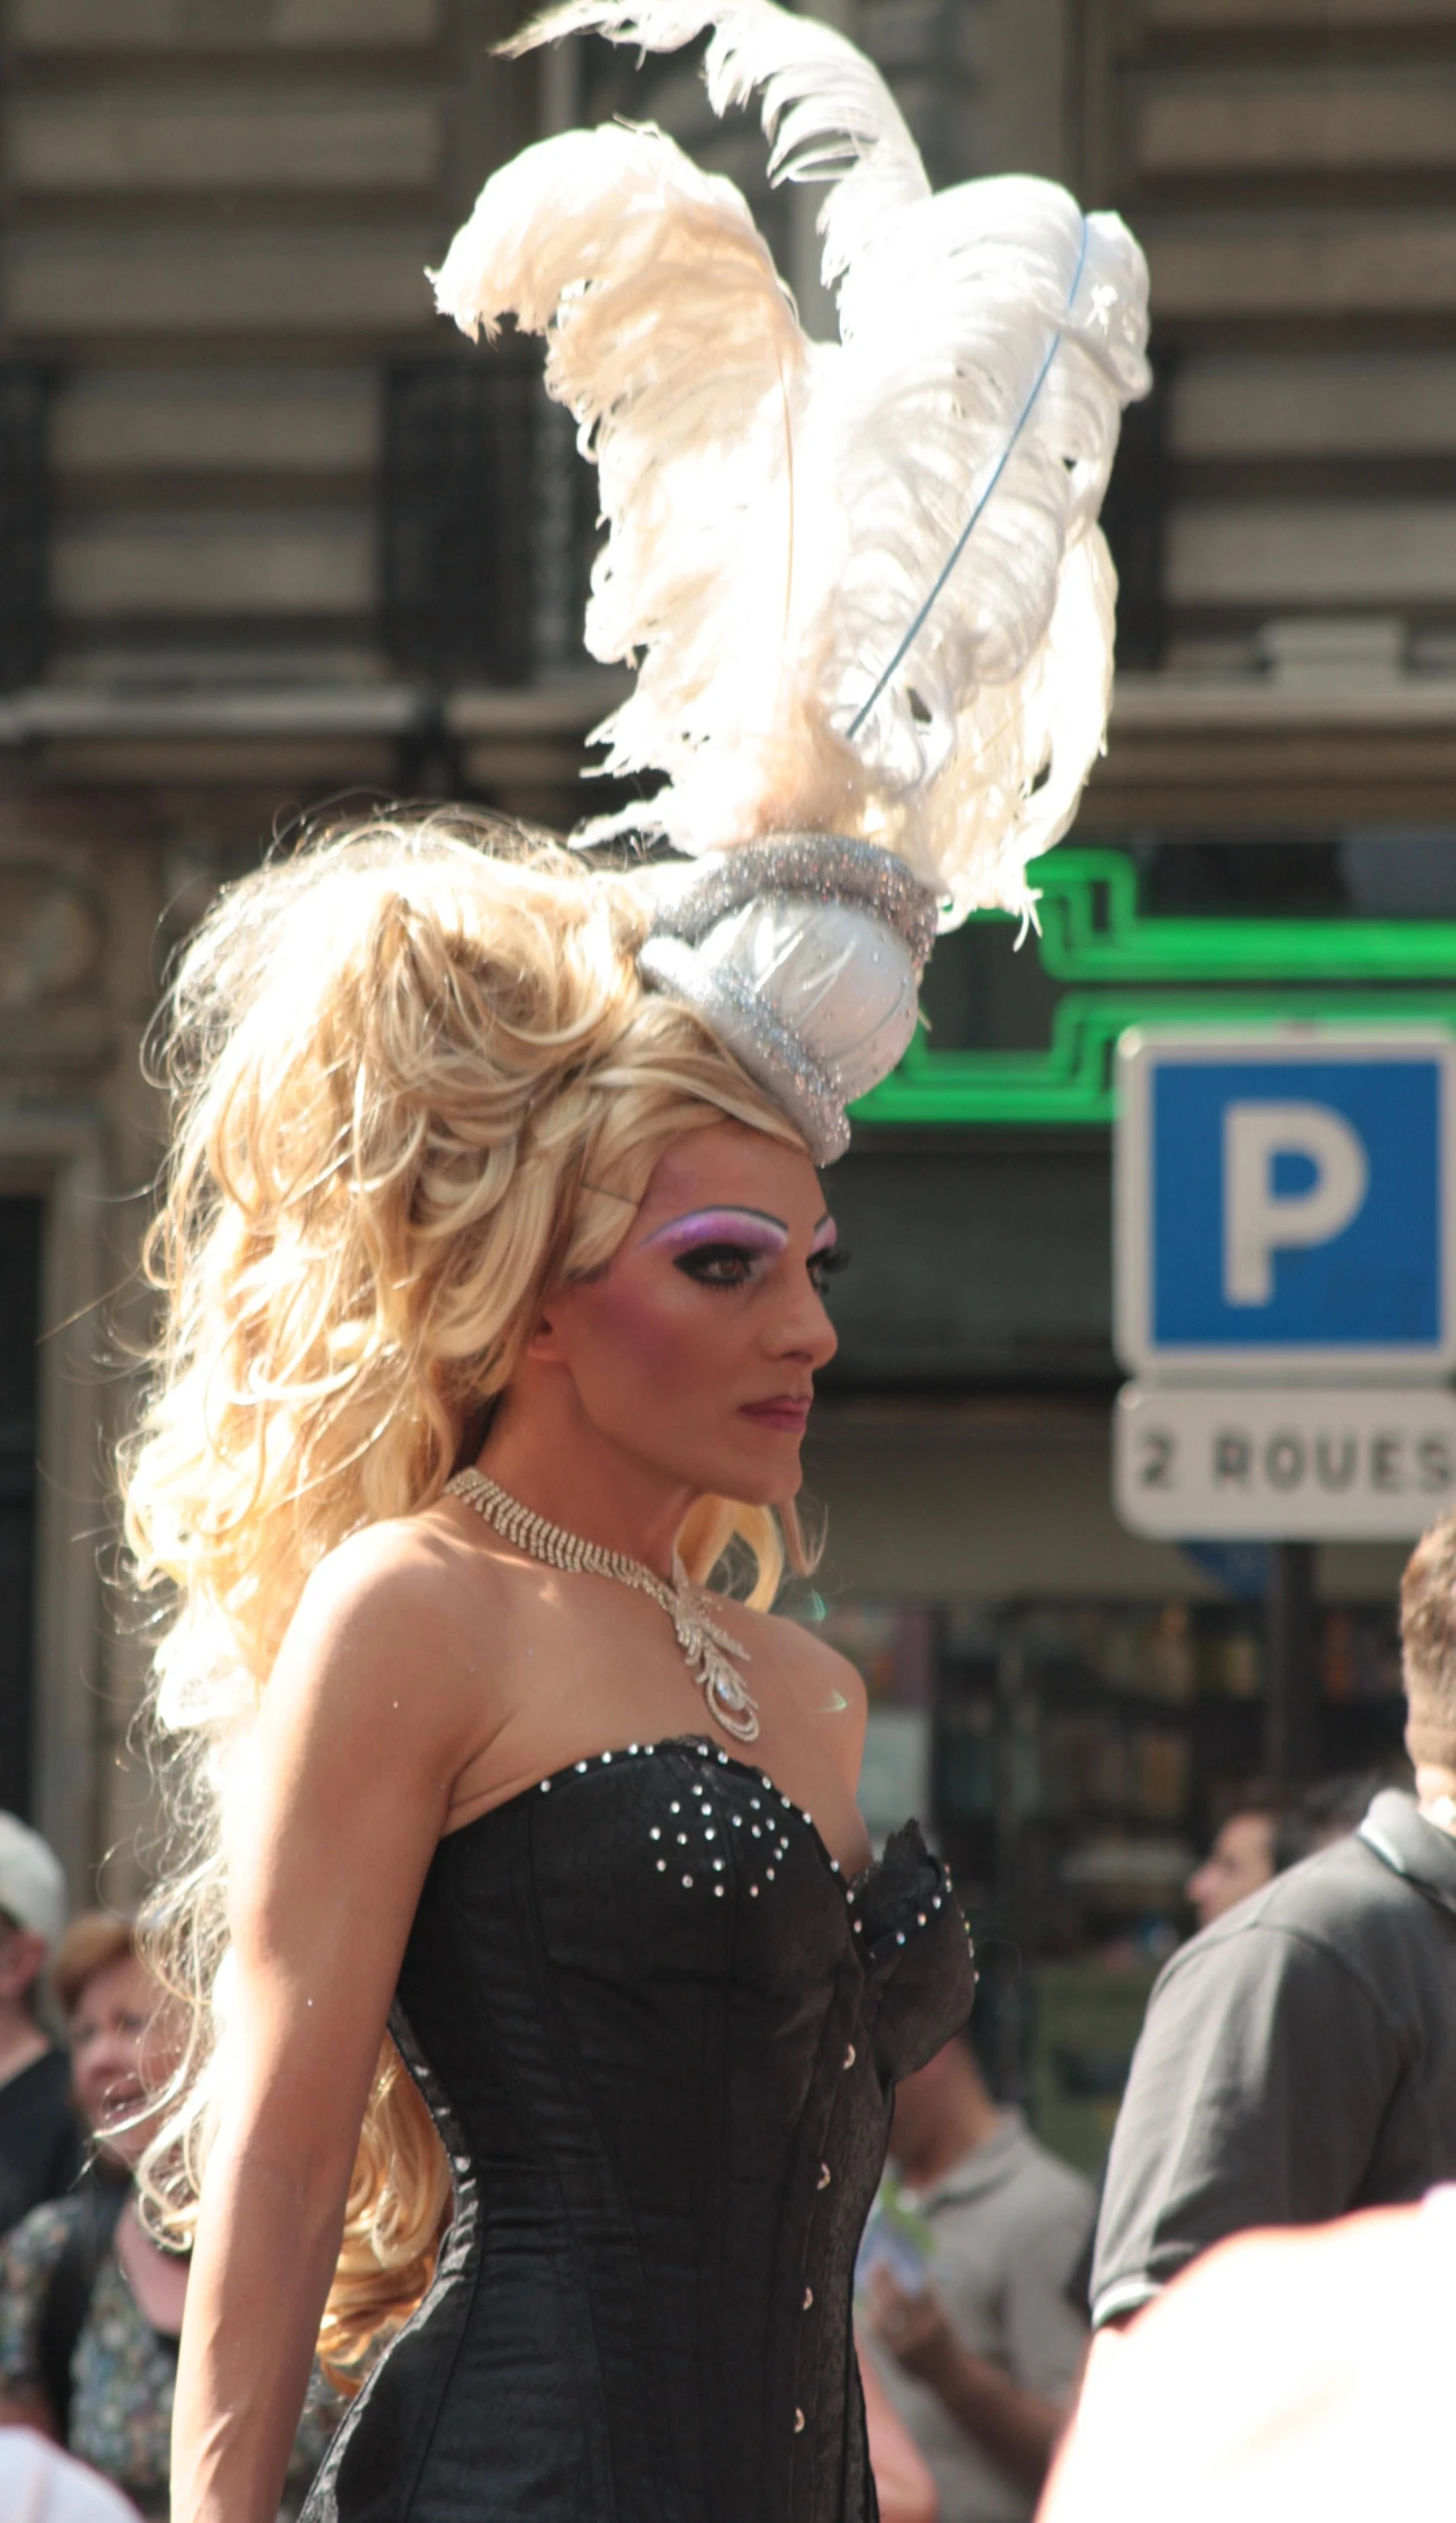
<point>747,1227</point>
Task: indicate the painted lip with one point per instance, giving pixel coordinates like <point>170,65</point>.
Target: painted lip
<point>119,2106</point>
<point>116,2099</point>
<point>789,1412</point>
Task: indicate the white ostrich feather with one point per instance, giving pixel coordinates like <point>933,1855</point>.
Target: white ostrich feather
<point>863,582</point>
<point>677,350</point>
<point>826,109</point>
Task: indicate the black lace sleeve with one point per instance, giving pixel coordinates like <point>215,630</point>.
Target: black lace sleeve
<point>916,1950</point>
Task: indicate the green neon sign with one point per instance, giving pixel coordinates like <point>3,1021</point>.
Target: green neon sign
<point>1123,968</point>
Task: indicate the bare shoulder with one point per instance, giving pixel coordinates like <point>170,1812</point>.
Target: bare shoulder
<point>806,1663</point>
<point>814,1695</point>
<point>373,1588</point>
<point>398,1603</point>
<point>405,1568</point>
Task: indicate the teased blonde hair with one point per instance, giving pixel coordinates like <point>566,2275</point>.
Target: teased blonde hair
<point>417,1083</point>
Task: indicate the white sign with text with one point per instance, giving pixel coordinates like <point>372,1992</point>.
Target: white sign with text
<point>1305,1463</point>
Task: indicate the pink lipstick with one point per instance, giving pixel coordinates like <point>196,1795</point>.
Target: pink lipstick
<point>788,1413</point>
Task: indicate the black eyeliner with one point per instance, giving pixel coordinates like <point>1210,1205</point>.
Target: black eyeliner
<point>698,1255</point>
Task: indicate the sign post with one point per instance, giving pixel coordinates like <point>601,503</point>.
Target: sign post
<point>1284,1206</point>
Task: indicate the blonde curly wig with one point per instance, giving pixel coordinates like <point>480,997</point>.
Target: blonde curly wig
<point>417,1083</point>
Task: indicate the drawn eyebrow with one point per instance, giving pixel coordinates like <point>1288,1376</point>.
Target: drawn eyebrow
<point>753,1225</point>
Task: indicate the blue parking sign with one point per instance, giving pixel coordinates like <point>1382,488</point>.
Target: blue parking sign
<point>1283,1202</point>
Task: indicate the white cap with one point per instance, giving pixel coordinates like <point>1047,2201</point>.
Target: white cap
<point>32,1885</point>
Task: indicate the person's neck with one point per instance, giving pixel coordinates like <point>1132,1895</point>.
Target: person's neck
<point>22,2041</point>
<point>961,2133</point>
<point>1435,1788</point>
<point>545,1453</point>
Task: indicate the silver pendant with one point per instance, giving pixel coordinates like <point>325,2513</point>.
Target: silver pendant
<point>706,1648</point>
<point>703,1643</point>
<point>730,1705</point>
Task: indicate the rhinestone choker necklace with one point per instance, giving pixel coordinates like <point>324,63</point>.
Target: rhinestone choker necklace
<point>706,1647</point>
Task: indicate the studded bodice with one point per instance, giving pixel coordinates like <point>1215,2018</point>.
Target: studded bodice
<point>658,2033</point>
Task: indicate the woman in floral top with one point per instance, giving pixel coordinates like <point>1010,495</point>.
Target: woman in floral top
<point>123,2365</point>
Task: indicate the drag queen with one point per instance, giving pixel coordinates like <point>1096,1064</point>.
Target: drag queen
<point>547,2004</point>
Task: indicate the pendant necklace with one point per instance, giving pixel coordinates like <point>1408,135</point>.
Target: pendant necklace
<point>706,1647</point>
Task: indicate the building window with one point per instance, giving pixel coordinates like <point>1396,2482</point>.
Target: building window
<point>489,520</point>
<point>25,393</point>
<point>1133,514</point>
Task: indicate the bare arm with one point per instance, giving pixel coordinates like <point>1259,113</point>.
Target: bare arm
<point>1016,2427</point>
<point>905,2487</point>
<point>332,1833</point>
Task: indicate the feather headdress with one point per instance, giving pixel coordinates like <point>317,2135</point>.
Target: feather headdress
<point>861,582</point>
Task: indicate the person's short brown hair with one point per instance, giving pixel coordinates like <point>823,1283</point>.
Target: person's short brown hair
<point>1428,1638</point>
<point>1282,1808</point>
<point>93,1942</point>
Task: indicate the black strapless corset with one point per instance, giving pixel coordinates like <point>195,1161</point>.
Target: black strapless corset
<point>658,2034</point>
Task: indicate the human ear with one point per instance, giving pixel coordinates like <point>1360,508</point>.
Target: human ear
<point>546,1346</point>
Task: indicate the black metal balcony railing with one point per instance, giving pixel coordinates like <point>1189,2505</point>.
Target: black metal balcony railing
<point>25,391</point>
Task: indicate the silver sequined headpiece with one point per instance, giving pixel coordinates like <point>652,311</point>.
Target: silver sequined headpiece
<point>804,954</point>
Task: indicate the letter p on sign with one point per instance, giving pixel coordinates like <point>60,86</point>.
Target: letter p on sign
<point>1260,1219</point>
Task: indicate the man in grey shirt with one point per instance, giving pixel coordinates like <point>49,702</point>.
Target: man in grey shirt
<point>981,2360</point>
<point>1298,2059</point>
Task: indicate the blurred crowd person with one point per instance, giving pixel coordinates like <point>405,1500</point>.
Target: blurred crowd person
<point>90,2306</point>
<point>1298,2057</point>
<point>1267,1830</point>
<point>39,2141</point>
<point>981,2355</point>
<point>1262,1836</point>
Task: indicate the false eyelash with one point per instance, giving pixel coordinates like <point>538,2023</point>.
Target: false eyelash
<point>702,1256</point>
<point>838,1257</point>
